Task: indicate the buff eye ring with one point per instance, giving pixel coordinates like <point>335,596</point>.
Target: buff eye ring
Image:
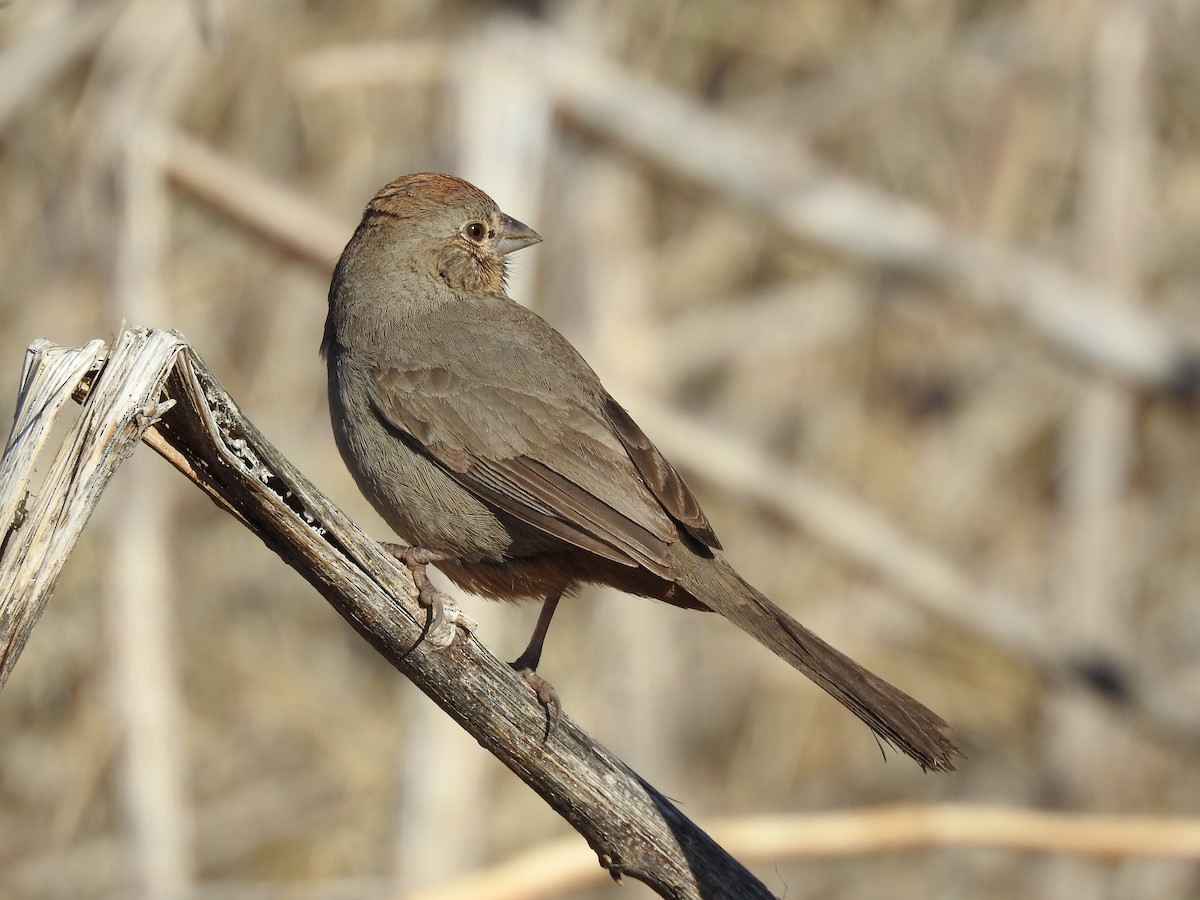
<point>475,231</point>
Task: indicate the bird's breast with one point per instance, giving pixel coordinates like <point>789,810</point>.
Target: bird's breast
<point>418,499</point>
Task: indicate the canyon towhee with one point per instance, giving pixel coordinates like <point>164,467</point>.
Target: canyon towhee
<point>489,445</point>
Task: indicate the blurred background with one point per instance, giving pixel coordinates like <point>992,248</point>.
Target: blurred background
<point>907,289</point>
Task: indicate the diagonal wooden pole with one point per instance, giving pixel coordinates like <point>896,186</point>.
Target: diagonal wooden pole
<point>151,386</point>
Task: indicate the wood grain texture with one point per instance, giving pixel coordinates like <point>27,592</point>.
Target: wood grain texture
<point>41,526</point>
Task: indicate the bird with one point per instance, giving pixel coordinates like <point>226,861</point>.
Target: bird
<point>492,449</point>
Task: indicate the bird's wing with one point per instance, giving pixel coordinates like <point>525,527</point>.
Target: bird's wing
<point>549,459</point>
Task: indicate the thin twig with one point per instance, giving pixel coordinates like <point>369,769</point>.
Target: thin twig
<point>35,59</point>
<point>1092,564</point>
<point>147,703</point>
<point>559,867</point>
<point>805,199</point>
<point>254,202</point>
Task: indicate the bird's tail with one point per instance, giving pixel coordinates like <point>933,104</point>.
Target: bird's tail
<point>894,716</point>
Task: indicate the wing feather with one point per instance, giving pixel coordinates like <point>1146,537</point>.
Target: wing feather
<point>561,469</point>
<point>667,484</point>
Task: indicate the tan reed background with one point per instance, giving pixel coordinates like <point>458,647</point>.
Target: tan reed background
<point>909,290</point>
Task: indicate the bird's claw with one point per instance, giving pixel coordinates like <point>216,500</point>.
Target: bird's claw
<point>429,596</point>
<point>546,694</point>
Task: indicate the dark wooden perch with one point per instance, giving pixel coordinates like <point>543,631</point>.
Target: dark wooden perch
<point>151,386</point>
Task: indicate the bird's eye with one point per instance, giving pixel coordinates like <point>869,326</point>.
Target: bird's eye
<point>475,231</point>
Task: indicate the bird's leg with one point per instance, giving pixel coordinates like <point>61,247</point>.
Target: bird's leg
<point>428,595</point>
<point>526,664</point>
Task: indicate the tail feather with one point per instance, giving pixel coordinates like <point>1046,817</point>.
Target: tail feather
<point>895,717</point>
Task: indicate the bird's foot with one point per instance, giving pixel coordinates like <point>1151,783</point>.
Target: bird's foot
<point>546,694</point>
<point>429,596</point>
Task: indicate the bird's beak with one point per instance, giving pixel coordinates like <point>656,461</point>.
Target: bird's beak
<point>514,235</point>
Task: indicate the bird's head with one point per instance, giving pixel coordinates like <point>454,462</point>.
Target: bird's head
<point>450,229</point>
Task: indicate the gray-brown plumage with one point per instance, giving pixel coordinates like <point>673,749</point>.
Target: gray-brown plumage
<point>484,439</point>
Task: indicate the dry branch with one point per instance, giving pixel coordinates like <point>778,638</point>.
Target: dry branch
<point>554,868</point>
<point>253,202</point>
<point>38,57</point>
<point>917,570</point>
<point>794,190</point>
<point>119,407</point>
<point>633,829</point>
